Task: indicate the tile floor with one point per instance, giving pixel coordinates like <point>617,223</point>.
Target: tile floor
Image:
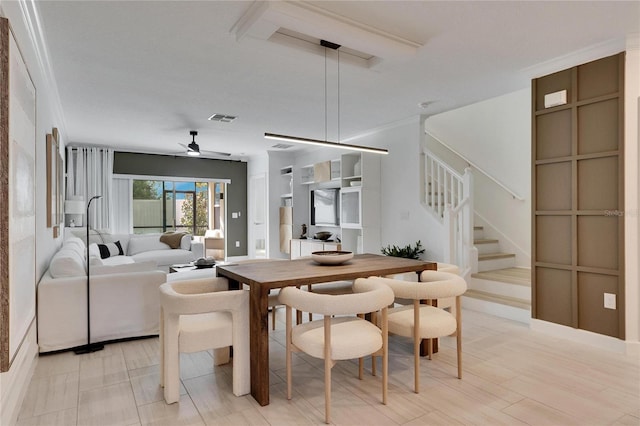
<point>511,376</point>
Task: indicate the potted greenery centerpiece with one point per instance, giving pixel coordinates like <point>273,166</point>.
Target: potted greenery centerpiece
<point>408,251</point>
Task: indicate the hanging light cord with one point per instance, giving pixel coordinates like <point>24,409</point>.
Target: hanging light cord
<point>338,96</point>
<point>325,93</point>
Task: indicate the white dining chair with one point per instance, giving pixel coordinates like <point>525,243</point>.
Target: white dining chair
<point>420,321</point>
<point>336,336</point>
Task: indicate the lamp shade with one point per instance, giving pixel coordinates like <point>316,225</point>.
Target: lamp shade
<point>74,206</point>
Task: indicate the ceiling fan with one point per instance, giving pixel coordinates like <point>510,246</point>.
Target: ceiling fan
<point>193,149</point>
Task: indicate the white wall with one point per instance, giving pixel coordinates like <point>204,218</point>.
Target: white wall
<point>14,382</point>
<point>404,219</point>
<point>632,191</point>
<point>495,136</point>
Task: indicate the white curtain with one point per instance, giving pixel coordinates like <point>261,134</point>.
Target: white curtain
<point>121,206</point>
<point>90,173</point>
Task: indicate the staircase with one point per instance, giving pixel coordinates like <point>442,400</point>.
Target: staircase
<point>495,285</point>
<point>498,288</point>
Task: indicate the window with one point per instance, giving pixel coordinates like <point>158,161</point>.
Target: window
<point>160,206</point>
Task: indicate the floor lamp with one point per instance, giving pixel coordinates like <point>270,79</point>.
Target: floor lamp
<point>89,347</point>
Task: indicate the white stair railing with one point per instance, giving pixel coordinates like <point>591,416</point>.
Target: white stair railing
<point>443,186</point>
<point>458,225</point>
<point>449,196</point>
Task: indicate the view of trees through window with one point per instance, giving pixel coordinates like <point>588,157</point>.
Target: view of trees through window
<point>160,206</point>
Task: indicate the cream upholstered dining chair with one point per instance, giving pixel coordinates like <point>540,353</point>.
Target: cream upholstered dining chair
<point>445,303</point>
<point>201,314</point>
<point>424,321</point>
<point>341,337</point>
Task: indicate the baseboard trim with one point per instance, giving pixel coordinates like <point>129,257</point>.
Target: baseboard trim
<point>587,337</point>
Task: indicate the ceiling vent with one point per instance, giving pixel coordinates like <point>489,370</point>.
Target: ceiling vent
<point>222,118</point>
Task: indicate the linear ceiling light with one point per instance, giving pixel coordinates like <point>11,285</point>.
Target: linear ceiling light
<point>296,139</point>
<point>318,142</point>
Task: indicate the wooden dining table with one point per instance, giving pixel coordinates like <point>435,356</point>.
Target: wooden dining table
<point>267,275</point>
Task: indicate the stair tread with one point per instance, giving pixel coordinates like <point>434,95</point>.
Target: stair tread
<point>496,298</point>
<point>490,256</point>
<point>518,276</point>
<point>485,241</point>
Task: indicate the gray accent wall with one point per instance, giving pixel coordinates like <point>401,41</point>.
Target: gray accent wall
<point>129,163</point>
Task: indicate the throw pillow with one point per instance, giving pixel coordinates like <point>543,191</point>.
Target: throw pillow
<point>110,249</point>
<point>94,255</point>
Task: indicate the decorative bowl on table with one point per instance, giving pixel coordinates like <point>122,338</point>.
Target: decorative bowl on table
<point>204,262</point>
<point>323,235</point>
<point>331,257</point>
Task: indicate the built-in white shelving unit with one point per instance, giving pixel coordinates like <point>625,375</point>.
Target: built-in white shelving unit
<point>357,175</point>
<point>360,202</point>
<point>286,188</point>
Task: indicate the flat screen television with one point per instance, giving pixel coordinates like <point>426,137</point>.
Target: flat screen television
<point>325,207</point>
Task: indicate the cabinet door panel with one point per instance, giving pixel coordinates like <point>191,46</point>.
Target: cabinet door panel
<point>308,247</point>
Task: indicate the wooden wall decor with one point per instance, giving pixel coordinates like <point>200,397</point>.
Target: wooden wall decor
<point>17,198</point>
<point>55,182</point>
<point>52,180</point>
<point>578,197</point>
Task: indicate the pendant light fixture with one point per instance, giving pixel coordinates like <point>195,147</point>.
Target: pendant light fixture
<point>326,143</point>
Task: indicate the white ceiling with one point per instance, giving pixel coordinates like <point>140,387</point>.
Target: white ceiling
<point>138,76</point>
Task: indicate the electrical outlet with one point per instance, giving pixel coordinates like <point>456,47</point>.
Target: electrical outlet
<point>237,243</point>
<point>610,301</point>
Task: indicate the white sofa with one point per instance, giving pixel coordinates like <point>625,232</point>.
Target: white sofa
<point>141,247</point>
<point>124,291</point>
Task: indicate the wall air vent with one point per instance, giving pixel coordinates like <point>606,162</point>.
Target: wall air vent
<point>281,146</point>
<point>222,118</point>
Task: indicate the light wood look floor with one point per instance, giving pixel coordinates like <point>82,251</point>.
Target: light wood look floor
<point>511,376</point>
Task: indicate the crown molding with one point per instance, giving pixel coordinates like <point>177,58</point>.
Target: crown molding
<point>33,25</point>
<point>588,54</point>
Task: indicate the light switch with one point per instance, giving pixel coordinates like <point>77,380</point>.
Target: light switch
<point>234,215</point>
<point>610,301</point>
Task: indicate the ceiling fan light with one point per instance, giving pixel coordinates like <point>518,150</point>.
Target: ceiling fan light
<point>193,149</point>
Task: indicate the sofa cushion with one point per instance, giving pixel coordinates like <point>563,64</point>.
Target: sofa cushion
<point>165,257</point>
<point>185,242</point>
<point>122,238</point>
<point>145,243</point>
<point>74,241</point>
<point>117,260</point>
<point>127,267</point>
<point>67,263</point>
<point>110,249</point>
